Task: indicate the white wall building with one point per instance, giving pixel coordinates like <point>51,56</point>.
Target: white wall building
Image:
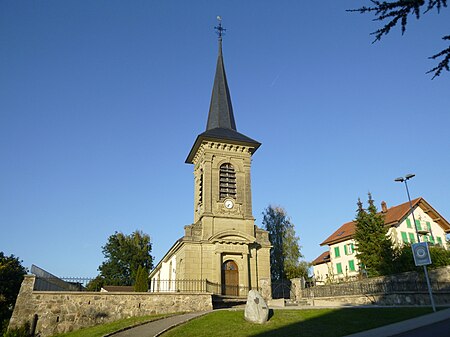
<point>340,261</point>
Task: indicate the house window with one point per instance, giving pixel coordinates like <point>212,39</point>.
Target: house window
<point>339,268</point>
<point>351,265</point>
<point>412,237</point>
<point>419,227</point>
<point>404,237</point>
<point>408,223</point>
<point>227,185</point>
<point>337,253</point>
<point>349,249</point>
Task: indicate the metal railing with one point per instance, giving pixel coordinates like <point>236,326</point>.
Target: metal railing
<point>374,288</point>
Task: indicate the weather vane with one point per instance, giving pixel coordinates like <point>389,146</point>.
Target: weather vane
<point>219,29</point>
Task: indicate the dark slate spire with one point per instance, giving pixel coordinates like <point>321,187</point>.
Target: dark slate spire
<point>221,125</point>
<point>220,109</point>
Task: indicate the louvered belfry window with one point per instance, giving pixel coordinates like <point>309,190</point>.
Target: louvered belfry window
<point>227,181</point>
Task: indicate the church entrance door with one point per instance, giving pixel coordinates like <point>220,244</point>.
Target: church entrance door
<point>230,278</point>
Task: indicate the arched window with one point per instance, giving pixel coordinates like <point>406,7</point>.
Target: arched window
<point>227,181</point>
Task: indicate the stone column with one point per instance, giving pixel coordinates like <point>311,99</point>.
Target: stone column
<point>219,268</point>
<point>297,285</point>
<point>266,288</point>
<point>246,270</point>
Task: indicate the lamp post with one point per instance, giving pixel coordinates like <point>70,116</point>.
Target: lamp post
<point>404,180</point>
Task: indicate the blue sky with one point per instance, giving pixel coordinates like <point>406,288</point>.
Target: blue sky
<point>101,101</point>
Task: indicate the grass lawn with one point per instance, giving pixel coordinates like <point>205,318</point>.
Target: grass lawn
<point>104,329</point>
<point>304,323</point>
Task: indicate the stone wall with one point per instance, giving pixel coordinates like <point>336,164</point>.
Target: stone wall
<point>60,312</point>
<point>350,293</point>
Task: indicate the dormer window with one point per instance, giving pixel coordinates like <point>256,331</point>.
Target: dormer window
<point>227,186</point>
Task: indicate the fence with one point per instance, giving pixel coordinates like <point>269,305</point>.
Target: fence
<point>198,286</point>
<point>53,283</point>
<point>282,289</point>
<point>373,288</point>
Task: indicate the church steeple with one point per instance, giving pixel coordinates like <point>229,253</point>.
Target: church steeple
<point>220,109</point>
<point>221,125</point>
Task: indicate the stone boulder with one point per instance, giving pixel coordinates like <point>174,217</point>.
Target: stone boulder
<point>256,309</point>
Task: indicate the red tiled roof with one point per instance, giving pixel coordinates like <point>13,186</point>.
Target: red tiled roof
<point>392,216</point>
<point>323,258</point>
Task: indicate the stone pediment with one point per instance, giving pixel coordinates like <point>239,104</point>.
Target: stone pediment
<point>232,236</point>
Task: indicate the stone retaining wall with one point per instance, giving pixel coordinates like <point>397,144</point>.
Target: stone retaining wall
<point>60,312</point>
<point>343,296</point>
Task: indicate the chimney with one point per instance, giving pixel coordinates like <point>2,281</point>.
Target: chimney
<point>383,207</point>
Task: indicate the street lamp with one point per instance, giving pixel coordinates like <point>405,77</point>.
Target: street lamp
<point>404,180</point>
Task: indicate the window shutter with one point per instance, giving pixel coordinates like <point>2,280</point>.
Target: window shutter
<point>351,265</point>
<point>419,227</point>
<point>412,238</point>
<point>428,226</point>
<point>404,237</point>
<point>345,250</point>
<point>339,268</point>
<point>336,252</point>
<point>408,223</point>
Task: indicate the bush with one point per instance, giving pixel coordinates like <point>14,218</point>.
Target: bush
<point>404,260</point>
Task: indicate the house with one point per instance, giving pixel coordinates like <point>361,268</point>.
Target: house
<point>223,248</point>
<point>340,261</point>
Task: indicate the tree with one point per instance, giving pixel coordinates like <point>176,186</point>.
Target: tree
<point>285,252</point>
<point>400,10</point>
<point>124,254</point>
<point>141,283</point>
<point>11,277</point>
<point>373,245</point>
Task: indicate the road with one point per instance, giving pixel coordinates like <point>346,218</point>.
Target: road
<point>439,329</point>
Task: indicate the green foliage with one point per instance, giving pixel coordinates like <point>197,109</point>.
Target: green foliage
<point>404,260</point>
<point>285,253</point>
<point>141,284</point>
<point>399,11</point>
<point>11,277</point>
<point>373,245</point>
<point>23,331</point>
<point>96,284</point>
<point>124,254</point>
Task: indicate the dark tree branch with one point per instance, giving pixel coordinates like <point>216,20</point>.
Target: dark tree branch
<point>444,64</point>
<point>396,11</point>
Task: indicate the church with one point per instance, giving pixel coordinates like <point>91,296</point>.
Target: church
<point>223,246</point>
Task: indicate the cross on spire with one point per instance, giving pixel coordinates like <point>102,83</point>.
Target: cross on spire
<point>219,29</point>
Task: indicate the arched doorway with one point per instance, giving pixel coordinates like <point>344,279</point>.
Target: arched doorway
<point>230,278</point>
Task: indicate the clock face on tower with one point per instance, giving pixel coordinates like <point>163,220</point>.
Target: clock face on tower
<point>229,203</point>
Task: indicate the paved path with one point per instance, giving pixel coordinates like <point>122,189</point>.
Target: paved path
<point>405,328</point>
<point>156,328</point>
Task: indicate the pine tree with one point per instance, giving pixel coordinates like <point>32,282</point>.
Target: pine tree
<point>141,284</point>
<point>373,245</point>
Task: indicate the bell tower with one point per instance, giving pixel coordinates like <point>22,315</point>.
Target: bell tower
<point>223,245</point>
<point>222,164</point>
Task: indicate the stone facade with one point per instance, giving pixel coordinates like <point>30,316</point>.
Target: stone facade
<point>223,245</point>
<point>60,312</point>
